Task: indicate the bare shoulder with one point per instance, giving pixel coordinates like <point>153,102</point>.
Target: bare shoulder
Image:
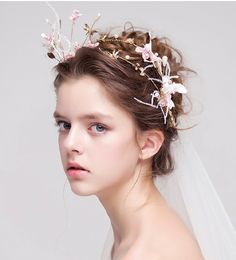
<point>182,253</point>
<point>174,249</point>
<point>165,237</point>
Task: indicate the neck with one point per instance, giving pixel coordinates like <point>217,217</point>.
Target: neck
<point>126,205</point>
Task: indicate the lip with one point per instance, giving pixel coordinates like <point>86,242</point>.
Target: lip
<point>76,172</point>
<point>75,165</point>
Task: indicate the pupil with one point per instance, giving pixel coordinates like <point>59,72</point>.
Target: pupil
<point>67,125</point>
<point>99,127</point>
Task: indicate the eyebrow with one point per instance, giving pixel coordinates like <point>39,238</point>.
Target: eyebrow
<point>96,115</point>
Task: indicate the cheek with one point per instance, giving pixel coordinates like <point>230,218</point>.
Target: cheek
<point>116,158</point>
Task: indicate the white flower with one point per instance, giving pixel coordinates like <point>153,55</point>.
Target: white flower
<point>172,87</point>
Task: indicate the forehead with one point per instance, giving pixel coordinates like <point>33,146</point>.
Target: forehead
<point>87,96</point>
<point>82,91</point>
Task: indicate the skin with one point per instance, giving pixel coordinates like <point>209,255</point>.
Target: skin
<point>119,160</point>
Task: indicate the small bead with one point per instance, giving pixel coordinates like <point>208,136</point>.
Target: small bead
<point>130,40</point>
<point>164,59</point>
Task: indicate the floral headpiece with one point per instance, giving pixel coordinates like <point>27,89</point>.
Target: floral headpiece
<point>160,98</point>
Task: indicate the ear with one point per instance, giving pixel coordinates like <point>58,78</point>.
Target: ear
<point>150,142</point>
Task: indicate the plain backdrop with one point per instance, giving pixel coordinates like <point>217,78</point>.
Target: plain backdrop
<point>40,218</point>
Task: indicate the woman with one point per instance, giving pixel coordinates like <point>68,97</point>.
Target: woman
<point>121,147</point>
<point>119,99</point>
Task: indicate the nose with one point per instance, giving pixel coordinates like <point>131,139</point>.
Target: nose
<point>73,141</point>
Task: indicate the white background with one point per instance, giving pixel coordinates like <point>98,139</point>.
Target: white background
<point>37,219</point>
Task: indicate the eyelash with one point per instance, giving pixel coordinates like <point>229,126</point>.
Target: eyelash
<point>57,124</point>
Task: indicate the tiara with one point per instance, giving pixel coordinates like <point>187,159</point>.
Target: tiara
<point>61,48</point>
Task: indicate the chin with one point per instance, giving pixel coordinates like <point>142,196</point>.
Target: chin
<point>80,191</point>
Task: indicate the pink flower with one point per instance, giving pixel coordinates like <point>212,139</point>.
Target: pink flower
<point>75,15</point>
<point>92,45</point>
<point>68,56</point>
<point>166,101</point>
<point>49,42</point>
<point>147,52</point>
<point>46,37</point>
<point>77,47</point>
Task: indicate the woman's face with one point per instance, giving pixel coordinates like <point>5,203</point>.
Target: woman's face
<point>104,143</point>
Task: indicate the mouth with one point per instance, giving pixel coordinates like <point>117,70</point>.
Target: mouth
<point>75,166</point>
<point>76,170</point>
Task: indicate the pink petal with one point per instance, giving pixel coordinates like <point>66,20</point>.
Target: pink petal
<point>148,47</point>
<point>139,49</point>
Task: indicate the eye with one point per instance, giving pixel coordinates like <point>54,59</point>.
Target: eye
<point>62,125</point>
<point>99,128</point>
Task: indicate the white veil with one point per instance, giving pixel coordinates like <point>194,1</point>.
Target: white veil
<point>191,193</point>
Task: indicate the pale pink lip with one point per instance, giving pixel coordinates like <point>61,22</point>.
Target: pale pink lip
<point>75,165</point>
<point>76,173</point>
<point>76,170</point>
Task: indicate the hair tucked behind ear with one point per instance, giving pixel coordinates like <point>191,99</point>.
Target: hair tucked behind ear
<point>123,83</point>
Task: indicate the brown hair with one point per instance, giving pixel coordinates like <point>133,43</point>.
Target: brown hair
<point>123,83</point>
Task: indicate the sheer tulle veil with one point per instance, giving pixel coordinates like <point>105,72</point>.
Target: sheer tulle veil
<point>191,193</point>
